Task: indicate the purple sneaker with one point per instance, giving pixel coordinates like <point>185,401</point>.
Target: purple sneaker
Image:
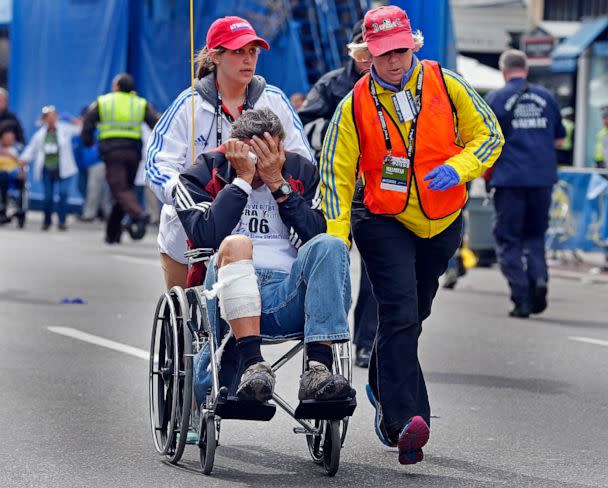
<point>412,438</point>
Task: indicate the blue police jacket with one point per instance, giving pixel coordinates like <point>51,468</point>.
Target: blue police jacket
<point>528,157</point>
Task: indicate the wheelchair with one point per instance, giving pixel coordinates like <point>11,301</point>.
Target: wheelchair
<point>180,330</point>
<point>17,195</point>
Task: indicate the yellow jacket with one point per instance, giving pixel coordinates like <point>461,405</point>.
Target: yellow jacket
<point>478,131</point>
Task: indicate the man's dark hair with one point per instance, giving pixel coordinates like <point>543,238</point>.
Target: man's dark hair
<point>124,82</point>
<point>255,123</point>
<point>8,126</point>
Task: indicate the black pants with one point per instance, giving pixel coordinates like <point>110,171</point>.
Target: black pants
<point>521,221</point>
<point>121,169</point>
<point>366,313</point>
<point>404,271</point>
<point>19,185</point>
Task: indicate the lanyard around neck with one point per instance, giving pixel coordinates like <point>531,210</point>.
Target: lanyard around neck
<point>218,114</point>
<point>384,126</point>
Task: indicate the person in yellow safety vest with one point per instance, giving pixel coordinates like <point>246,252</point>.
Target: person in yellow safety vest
<point>565,146</point>
<point>118,117</point>
<point>398,152</point>
<point>601,140</point>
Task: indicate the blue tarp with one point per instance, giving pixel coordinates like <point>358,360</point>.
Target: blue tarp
<point>64,53</point>
<point>565,55</point>
<point>434,19</point>
<point>159,53</point>
<point>579,211</point>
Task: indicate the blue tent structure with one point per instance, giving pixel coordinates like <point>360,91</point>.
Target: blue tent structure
<point>66,52</point>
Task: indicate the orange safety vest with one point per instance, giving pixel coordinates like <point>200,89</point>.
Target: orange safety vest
<point>434,144</point>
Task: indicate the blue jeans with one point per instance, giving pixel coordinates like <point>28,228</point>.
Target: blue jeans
<point>50,179</point>
<point>310,302</point>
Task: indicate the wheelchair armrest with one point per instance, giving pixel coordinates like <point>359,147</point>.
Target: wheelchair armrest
<point>199,254</point>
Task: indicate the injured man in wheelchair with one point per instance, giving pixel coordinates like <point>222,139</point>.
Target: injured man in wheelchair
<point>281,277</point>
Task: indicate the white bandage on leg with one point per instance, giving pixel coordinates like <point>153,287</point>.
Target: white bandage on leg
<point>238,294</point>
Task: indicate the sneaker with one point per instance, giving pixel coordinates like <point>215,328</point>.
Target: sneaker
<point>412,439</point>
<point>520,311</point>
<point>317,383</point>
<point>378,426</point>
<point>62,227</point>
<point>257,383</point>
<point>137,228</point>
<point>363,357</point>
<point>112,239</point>
<point>191,438</point>
<point>451,278</point>
<point>539,298</point>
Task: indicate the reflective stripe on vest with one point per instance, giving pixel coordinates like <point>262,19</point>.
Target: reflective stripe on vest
<point>434,144</point>
<point>121,115</point>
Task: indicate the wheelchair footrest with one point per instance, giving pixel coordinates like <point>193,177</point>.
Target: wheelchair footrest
<point>233,408</point>
<point>325,409</point>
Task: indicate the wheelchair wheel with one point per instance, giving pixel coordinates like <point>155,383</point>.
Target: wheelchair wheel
<point>207,443</point>
<point>170,381</point>
<point>331,447</point>
<point>314,445</point>
<point>343,366</point>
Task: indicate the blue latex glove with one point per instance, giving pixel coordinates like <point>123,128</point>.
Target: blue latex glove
<point>442,178</point>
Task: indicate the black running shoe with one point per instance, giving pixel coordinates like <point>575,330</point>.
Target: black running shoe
<point>538,302</point>
<point>520,311</point>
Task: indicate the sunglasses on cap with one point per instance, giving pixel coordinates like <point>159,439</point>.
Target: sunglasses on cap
<point>402,50</point>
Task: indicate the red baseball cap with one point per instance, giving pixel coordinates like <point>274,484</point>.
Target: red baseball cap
<point>232,33</point>
<point>387,28</point>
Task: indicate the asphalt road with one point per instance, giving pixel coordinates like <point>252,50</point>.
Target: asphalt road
<point>517,403</point>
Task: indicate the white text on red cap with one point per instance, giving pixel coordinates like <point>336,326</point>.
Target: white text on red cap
<point>387,24</point>
<point>239,26</point>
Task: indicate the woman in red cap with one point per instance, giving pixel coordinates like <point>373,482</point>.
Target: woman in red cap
<point>398,151</point>
<point>226,85</point>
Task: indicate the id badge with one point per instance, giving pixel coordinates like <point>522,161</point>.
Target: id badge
<point>394,174</point>
<point>406,111</point>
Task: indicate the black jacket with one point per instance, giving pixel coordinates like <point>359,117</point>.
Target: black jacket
<point>9,119</point>
<point>209,180</point>
<point>322,101</point>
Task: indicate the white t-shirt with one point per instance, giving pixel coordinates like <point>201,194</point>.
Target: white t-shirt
<point>262,223</point>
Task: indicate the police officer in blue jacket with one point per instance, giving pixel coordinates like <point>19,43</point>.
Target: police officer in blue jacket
<point>523,177</point>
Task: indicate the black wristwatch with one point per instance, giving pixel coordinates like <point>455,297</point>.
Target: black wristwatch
<point>284,190</point>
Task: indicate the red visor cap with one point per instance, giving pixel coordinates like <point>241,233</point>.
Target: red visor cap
<point>233,33</point>
<point>387,28</point>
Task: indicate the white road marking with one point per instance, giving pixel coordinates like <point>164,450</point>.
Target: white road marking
<point>133,259</point>
<point>100,341</point>
<point>589,340</point>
